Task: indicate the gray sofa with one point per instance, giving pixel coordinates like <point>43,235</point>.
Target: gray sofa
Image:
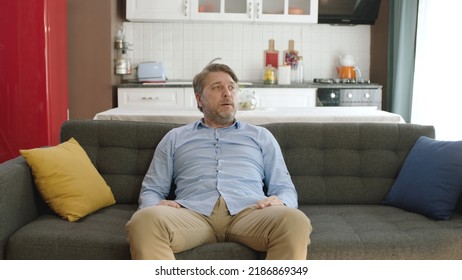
<point>342,172</point>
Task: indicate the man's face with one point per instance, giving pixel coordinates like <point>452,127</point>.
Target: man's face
<point>218,100</point>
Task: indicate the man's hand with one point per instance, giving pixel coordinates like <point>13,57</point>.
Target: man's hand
<point>269,201</point>
<point>170,203</point>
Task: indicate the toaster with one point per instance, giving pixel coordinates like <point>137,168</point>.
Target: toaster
<point>152,71</point>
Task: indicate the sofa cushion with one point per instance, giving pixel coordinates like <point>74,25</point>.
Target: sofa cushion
<point>365,232</point>
<point>430,180</point>
<point>98,236</point>
<point>67,180</point>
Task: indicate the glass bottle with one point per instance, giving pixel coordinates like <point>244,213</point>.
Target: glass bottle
<point>300,71</point>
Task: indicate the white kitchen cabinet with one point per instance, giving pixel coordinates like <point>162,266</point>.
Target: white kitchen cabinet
<point>189,98</point>
<point>183,97</point>
<point>279,11</point>
<point>285,97</point>
<point>152,10</point>
<point>223,10</point>
<point>299,11</point>
<point>156,97</point>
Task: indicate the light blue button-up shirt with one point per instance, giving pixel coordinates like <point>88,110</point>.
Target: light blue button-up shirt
<point>205,163</point>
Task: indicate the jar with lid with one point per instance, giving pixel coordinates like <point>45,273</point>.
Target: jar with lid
<point>270,76</point>
<point>246,100</point>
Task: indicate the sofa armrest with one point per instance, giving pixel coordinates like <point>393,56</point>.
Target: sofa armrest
<point>18,204</point>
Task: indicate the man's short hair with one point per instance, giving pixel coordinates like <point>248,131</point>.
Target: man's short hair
<point>199,79</point>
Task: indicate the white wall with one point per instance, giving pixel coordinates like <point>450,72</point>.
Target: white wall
<point>185,48</point>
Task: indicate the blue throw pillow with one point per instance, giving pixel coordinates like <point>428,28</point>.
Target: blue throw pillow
<point>430,180</point>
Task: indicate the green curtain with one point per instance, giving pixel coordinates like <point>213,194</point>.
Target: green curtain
<point>401,56</point>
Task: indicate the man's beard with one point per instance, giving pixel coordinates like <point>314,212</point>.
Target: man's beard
<point>221,117</point>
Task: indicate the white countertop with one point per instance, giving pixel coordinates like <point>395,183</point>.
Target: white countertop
<point>257,117</point>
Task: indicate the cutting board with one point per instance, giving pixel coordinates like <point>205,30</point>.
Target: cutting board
<point>271,55</point>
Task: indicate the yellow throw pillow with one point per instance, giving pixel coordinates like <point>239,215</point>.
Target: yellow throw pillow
<point>67,180</point>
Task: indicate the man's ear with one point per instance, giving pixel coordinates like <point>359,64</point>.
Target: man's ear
<point>198,100</point>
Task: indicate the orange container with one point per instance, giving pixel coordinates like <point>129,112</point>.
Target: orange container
<point>346,72</point>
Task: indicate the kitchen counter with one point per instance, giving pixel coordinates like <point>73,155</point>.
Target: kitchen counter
<point>257,117</point>
<point>246,84</point>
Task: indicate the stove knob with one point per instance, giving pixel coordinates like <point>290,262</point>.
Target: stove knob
<point>367,95</point>
<point>332,95</point>
<point>350,95</point>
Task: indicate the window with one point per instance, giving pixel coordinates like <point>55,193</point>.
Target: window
<point>437,94</point>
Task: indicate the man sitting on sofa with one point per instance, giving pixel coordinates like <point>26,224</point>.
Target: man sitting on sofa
<point>219,166</point>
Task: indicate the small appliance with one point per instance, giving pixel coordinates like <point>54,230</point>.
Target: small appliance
<point>152,71</point>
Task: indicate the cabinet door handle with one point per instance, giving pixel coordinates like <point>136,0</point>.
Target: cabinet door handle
<point>149,98</point>
<point>250,9</point>
<point>186,8</point>
<point>258,9</point>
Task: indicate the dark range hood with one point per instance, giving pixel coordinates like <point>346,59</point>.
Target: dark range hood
<point>348,11</point>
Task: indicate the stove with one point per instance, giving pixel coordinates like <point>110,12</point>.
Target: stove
<point>340,81</point>
<point>348,92</point>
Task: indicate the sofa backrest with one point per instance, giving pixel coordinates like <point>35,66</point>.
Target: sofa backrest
<point>330,163</point>
<point>121,151</point>
<point>345,163</point>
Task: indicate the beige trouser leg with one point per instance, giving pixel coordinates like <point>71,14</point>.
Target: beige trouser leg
<point>281,231</point>
<point>156,232</point>
<point>160,231</point>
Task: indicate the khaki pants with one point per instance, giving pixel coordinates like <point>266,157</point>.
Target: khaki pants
<point>158,232</point>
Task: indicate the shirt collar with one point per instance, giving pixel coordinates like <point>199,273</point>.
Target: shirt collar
<point>201,123</point>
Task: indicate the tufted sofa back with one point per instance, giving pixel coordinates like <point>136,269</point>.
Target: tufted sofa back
<point>345,163</point>
<point>121,151</point>
<point>330,163</point>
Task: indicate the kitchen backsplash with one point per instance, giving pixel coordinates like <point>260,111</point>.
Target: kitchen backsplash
<point>185,48</point>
